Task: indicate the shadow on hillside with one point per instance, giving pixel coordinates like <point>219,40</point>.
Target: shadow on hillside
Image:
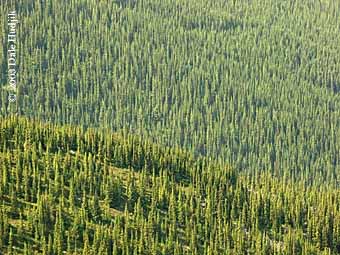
<point>335,86</point>
<point>126,3</point>
<point>214,25</point>
<point>331,85</point>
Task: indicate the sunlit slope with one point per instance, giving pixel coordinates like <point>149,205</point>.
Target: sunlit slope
<point>64,190</point>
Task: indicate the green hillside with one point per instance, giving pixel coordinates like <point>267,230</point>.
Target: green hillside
<point>253,83</point>
<point>170,127</point>
<point>64,190</point>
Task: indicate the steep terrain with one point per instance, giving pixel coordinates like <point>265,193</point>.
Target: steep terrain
<point>253,83</point>
<point>171,127</point>
<point>64,190</point>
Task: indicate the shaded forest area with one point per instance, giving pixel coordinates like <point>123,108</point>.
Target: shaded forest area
<point>251,83</point>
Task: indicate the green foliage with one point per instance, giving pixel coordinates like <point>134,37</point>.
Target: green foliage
<point>254,83</point>
<point>189,88</point>
<point>83,201</point>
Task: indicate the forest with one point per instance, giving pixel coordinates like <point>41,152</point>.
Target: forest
<point>66,190</point>
<point>171,127</point>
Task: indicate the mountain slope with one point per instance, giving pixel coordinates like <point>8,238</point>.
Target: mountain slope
<point>255,83</point>
<point>67,190</point>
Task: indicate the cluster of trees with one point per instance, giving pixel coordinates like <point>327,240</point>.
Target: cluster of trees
<point>65,190</point>
<point>190,88</point>
<point>253,83</point>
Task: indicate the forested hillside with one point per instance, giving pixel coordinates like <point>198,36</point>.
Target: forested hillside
<point>64,190</point>
<point>170,127</point>
<point>252,83</point>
